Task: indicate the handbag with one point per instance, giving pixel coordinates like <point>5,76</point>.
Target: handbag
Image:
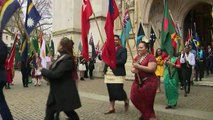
<point>82,67</point>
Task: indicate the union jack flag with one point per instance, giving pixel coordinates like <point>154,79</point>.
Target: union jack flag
<point>126,18</point>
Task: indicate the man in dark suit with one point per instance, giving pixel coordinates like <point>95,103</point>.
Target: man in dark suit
<point>4,109</point>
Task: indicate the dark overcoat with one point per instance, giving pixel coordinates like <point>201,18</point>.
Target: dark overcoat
<point>63,90</point>
<point>3,56</point>
<point>121,58</point>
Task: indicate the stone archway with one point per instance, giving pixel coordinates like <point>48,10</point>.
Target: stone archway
<point>199,16</point>
<point>183,7</point>
<point>152,11</point>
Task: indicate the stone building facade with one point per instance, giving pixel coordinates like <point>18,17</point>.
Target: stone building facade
<point>67,17</point>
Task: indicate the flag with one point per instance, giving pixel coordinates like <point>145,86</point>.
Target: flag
<point>34,45</point>
<point>108,50</point>
<point>91,42</point>
<point>175,40</point>
<point>24,48</point>
<point>43,54</point>
<point>41,39</point>
<point>167,31</point>
<point>7,8</point>
<point>188,38</point>
<point>196,39</point>
<point>11,57</point>
<point>97,48</point>
<point>179,31</point>
<point>50,48</point>
<point>86,12</point>
<point>126,28</point>
<point>152,40</point>
<point>32,17</point>
<point>79,46</point>
<point>140,34</point>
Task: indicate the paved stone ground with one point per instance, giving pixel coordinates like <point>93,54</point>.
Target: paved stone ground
<point>29,103</point>
<point>206,81</point>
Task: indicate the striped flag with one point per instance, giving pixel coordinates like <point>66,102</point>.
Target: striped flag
<point>24,48</point>
<point>7,8</point>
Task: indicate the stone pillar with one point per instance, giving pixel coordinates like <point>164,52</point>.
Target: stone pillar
<point>66,21</point>
<point>100,8</point>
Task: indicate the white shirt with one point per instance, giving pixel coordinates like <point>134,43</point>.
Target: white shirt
<point>190,58</point>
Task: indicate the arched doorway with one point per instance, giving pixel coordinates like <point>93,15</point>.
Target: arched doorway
<point>200,17</point>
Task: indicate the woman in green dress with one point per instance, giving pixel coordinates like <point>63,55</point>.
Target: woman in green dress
<point>171,81</point>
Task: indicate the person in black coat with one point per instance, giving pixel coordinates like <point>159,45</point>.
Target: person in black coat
<point>4,109</point>
<point>63,95</point>
<point>91,67</point>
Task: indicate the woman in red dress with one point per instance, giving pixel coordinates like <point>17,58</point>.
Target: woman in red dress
<point>144,87</point>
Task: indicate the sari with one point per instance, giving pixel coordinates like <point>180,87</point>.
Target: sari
<point>171,82</point>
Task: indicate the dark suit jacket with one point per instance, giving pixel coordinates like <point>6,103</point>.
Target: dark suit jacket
<point>121,57</point>
<point>63,88</point>
<point>3,56</point>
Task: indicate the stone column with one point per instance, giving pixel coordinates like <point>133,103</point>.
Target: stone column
<point>66,21</point>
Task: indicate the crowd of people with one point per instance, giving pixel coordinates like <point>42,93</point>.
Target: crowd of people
<point>181,69</point>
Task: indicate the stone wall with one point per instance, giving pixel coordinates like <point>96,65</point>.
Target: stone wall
<point>149,12</point>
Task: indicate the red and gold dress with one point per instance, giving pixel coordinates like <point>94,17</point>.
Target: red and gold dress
<point>143,96</point>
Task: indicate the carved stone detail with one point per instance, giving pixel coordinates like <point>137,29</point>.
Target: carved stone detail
<point>119,4</point>
<point>131,3</point>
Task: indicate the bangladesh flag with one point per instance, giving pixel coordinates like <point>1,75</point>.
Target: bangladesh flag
<point>167,31</point>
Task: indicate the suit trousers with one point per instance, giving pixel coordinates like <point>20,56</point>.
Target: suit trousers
<point>4,109</point>
<point>52,113</point>
<point>25,76</point>
<point>186,74</point>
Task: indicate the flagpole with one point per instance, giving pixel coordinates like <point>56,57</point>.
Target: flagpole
<point>14,43</point>
<point>130,50</point>
<point>25,31</point>
<point>131,25</point>
<point>98,26</point>
<point>126,39</point>
<point>178,37</point>
<point>170,13</point>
